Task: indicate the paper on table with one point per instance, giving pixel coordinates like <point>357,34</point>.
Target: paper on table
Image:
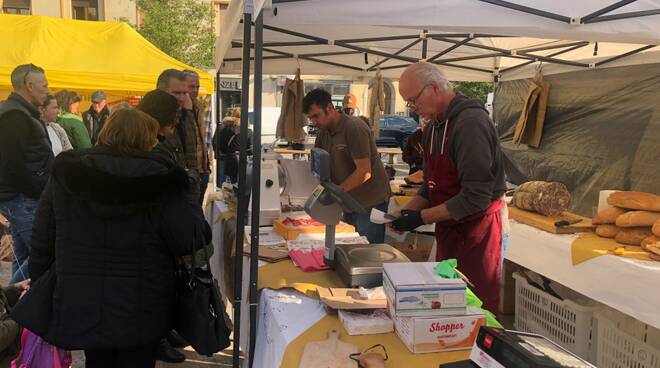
<point>380,217</point>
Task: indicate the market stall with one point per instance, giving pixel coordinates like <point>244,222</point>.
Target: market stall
<point>474,41</point>
<point>85,56</point>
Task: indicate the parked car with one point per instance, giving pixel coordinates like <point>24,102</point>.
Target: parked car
<point>394,130</point>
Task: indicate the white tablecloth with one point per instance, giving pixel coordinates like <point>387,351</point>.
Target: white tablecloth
<point>282,315</point>
<point>628,285</point>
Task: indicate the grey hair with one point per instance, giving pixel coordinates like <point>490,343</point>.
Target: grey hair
<point>164,78</point>
<point>21,72</point>
<point>427,72</point>
<point>190,73</point>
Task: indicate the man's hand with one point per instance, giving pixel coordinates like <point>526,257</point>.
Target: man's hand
<point>409,220</point>
<point>23,286</point>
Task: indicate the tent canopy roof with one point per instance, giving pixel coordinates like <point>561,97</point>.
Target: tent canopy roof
<point>470,40</point>
<point>85,55</point>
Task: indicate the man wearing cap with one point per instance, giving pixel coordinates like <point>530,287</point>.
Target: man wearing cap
<point>349,104</point>
<point>354,160</point>
<point>94,118</point>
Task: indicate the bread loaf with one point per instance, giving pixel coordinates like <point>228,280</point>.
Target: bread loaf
<point>607,230</point>
<point>632,235</point>
<point>655,249</point>
<point>637,218</point>
<point>546,198</point>
<point>656,228</point>
<point>653,241</point>
<point>635,201</point>
<point>608,215</point>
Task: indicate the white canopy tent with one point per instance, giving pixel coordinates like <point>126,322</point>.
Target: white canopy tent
<point>472,40</point>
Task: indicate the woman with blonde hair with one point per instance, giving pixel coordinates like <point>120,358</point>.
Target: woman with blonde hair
<point>110,224</point>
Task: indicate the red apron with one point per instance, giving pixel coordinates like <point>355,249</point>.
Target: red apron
<point>475,241</point>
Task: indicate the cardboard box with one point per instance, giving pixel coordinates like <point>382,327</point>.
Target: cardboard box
<point>442,333</point>
<point>290,232</point>
<point>414,289</point>
<point>367,322</point>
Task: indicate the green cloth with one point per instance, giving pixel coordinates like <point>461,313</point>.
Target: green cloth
<point>75,130</point>
<point>447,269</point>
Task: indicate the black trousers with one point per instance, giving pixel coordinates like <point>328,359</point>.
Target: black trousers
<point>135,357</point>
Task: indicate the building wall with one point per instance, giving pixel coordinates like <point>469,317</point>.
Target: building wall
<point>118,10</point>
<point>51,8</point>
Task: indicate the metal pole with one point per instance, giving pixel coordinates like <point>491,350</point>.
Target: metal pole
<point>637,14</point>
<point>256,183</point>
<point>528,10</point>
<point>425,44</point>
<point>451,48</point>
<point>579,46</point>
<point>218,122</point>
<point>606,9</point>
<point>373,67</point>
<point>243,190</point>
<point>633,52</point>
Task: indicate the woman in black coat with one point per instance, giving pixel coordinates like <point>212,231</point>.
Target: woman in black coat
<point>110,225</point>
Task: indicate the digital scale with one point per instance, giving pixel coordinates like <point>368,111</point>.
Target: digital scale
<point>499,348</point>
<point>356,264</point>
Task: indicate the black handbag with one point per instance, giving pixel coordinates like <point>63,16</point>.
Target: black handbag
<point>200,316</point>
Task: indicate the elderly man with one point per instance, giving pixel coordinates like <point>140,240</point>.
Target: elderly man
<point>95,117</point>
<point>25,159</point>
<point>463,179</point>
<point>204,127</point>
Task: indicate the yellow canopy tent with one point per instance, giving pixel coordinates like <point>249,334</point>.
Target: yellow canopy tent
<point>85,56</point>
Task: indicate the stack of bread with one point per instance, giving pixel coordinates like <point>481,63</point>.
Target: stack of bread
<point>634,220</point>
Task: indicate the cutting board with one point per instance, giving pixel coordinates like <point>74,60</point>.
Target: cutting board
<point>330,353</point>
<point>547,223</point>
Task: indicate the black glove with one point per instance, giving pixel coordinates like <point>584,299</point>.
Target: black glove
<point>409,220</point>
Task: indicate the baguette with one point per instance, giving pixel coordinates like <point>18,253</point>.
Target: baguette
<point>607,230</point>
<point>635,201</point>
<point>652,241</point>
<point>637,218</point>
<point>608,215</point>
<point>632,235</point>
<point>656,228</point>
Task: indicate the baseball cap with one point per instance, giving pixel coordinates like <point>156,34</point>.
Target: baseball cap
<point>98,97</point>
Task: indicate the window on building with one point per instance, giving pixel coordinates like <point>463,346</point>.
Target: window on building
<point>85,9</point>
<point>17,7</point>
<point>336,88</point>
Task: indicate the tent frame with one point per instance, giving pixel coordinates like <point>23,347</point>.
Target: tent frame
<point>456,39</point>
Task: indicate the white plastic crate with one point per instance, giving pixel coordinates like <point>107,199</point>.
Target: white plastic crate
<point>565,322</point>
<point>624,342</point>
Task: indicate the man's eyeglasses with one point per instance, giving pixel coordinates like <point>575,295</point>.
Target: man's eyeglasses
<point>412,104</point>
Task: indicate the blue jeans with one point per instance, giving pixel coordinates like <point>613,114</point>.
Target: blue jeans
<point>375,233</point>
<point>20,213</point>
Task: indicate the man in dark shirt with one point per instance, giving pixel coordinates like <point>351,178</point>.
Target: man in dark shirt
<point>463,179</point>
<point>26,158</point>
<point>354,160</point>
<point>95,117</point>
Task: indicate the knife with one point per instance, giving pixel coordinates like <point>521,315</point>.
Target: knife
<point>564,223</point>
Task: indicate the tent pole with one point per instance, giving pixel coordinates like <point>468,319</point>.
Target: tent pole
<point>373,67</point>
<point>256,182</point>
<point>218,123</point>
<point>450,48</point>
<point>553,54</point>
<point>543,48</point>
<point>425,44</point>
<point>633,52</point>
<point>638,14</point>
<point>528,10</point>
<point>243,191</point>
<point>606,9</point>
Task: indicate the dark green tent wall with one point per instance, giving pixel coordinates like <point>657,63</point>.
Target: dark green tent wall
<point>602,131</point>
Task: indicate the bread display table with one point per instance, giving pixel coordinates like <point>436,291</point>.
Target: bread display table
<point>627,285</point>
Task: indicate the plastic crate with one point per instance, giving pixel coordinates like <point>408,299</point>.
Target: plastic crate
<point>567,323</point>
<point>624,342</point>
